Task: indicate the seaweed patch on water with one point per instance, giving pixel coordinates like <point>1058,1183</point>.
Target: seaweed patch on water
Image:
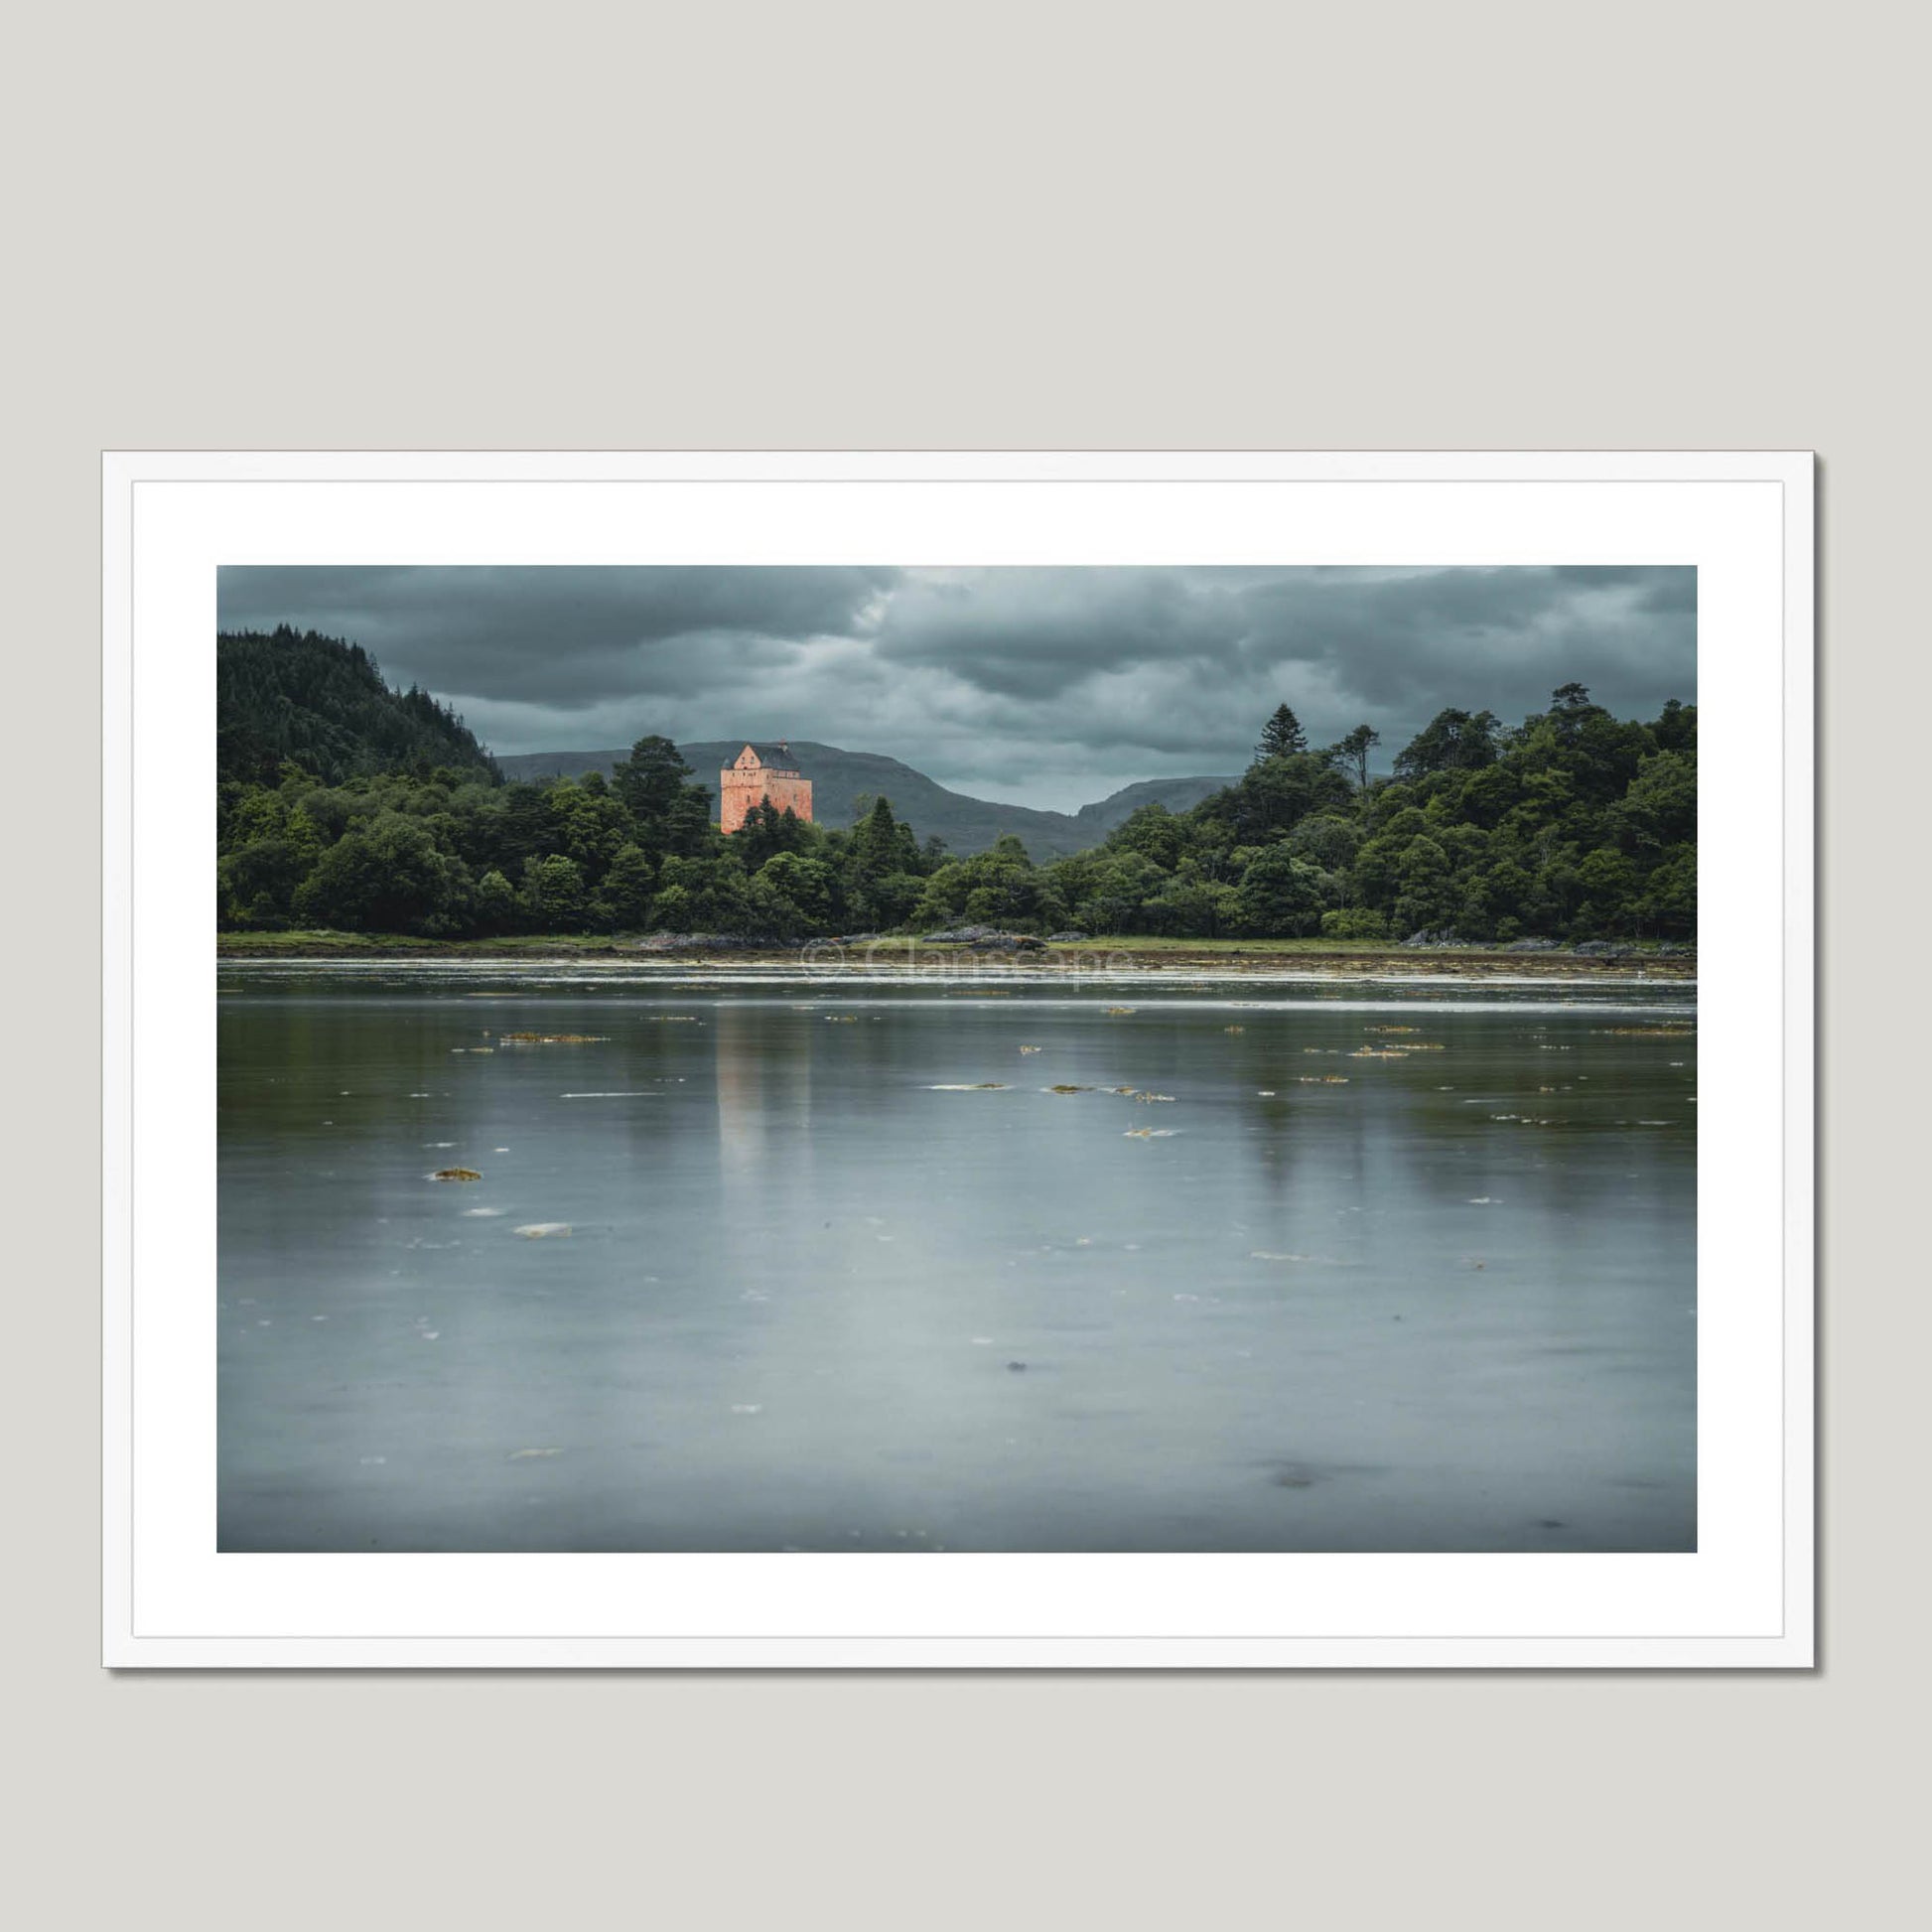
<point>1305,1476</point>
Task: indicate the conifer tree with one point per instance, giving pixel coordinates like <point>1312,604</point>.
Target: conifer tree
<point>1281,735</point>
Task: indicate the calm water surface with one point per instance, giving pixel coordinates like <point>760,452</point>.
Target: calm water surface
<point>814,1297</point>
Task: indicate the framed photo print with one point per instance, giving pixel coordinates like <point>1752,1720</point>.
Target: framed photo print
<point>942,1060</point>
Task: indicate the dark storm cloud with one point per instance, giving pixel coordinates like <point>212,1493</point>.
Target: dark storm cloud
<point>1034,633</point>
<point>560,635</point>
<point>1050,686</point>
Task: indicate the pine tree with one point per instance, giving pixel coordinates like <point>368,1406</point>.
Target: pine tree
<point>1281,735</point>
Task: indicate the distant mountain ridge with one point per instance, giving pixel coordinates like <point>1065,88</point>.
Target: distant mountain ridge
<point>840,778</point>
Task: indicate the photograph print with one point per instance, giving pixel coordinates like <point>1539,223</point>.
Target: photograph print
<point>1069,1060</point>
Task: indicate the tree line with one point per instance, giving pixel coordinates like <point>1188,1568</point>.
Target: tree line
<point>1573,824</point>
<point>451,854</point>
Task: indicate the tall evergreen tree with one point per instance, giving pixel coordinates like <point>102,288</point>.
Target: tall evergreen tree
<point>1281,735</point>
<point>649,779</point>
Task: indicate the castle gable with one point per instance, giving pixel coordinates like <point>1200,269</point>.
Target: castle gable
<point>772,758</point>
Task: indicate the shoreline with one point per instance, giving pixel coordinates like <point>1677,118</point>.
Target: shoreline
<point>1176,959</point>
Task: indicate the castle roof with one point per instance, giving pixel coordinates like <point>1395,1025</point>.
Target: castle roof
<point>774,758</point>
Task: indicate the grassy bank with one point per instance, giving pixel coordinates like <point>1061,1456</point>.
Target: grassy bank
<point>321,943</point>
<point>1354,956</point>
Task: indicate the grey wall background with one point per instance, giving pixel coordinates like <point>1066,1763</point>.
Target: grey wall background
<point>1114,225</point>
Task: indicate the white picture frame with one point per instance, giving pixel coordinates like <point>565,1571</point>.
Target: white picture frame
<point>1743,1600</point>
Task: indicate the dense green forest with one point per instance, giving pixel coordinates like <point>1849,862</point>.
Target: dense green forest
<point>291,697</point>
<point>345,805</point>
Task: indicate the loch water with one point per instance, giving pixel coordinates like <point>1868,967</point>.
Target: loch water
<point>756,1264</point>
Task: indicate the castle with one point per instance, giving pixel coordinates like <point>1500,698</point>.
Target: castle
<point>762,774</point>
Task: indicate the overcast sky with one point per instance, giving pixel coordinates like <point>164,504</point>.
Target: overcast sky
<point>1047,687</point>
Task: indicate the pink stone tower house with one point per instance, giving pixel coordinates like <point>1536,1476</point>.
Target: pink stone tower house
<point>762,774</point>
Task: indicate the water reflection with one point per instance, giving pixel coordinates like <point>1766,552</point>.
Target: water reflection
<point>823,1288</point>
